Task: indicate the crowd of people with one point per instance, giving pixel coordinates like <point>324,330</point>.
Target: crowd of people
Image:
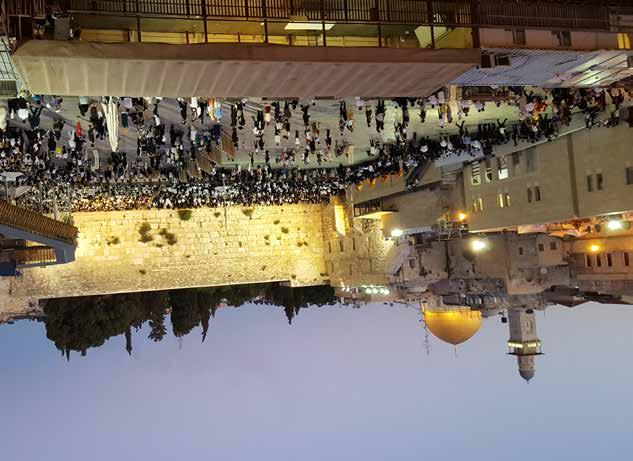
<point>62,167</point>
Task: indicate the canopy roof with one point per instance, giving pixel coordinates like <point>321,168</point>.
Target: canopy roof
<point>235,70</point>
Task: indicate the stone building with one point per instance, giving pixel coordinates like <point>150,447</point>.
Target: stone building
<point>584,174</point>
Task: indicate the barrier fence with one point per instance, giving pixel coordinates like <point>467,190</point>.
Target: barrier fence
<point>577,15</point>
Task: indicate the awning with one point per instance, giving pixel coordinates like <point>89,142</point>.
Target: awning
<point>236,70</point>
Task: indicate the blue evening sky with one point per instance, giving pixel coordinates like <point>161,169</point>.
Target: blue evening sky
<point>339,384</point>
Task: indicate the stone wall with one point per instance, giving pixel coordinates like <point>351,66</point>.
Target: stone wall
<point>214,247</point>
<point>354,249</point>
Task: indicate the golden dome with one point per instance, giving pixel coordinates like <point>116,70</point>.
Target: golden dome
<point>453,326</point>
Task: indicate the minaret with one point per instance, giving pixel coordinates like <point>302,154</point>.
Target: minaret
<point>524,342</point>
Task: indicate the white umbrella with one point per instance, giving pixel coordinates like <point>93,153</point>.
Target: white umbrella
<point>111,113</point>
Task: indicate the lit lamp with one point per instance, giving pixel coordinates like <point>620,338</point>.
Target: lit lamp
<point>461,216</point>
<point>594,248</point>
<point>478,245</point>
<point>614,225</point>
<point>396,233</point>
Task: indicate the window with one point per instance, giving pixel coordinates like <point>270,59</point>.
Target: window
<point>627,260</point>
<point>353,244</point>
<point>598,261</point>
<point>520,251</point>
<point>518,37</point>
<point>351,270</point>
<point>537,193</point>
<point>504,200</point>
<point>412,263</point>
<point>478,205</point>
<point>488,171</point>
<point>588,262</point>
<point>624,42</point>
<point>563,38</point>
<point>529,195</point>
<point>541,247</point>
<point>609,260</point>
<point>629,175</point>
<point>502,168</point>
<point>589,183</point>
<point>340,245</point>
<point>552,245</point>
<point>329,247</point>
<point>599,182</point>
<point>475,174</point>
<point>530,160</point>
<point>516,159</point>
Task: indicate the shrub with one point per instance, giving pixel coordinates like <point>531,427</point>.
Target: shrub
<point>185,215</point>
<point>285,230</point>
<point>144,230</point>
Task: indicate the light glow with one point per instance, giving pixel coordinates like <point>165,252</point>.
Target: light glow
<point>478,245</point>
<point>309,26</point>
<point>396,233</point>
<point>614,225</point>
<point>594,248</point>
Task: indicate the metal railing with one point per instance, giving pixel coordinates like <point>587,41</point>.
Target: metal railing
<point>35,223</point>
<point>576,15</point>
<point>35,255</point>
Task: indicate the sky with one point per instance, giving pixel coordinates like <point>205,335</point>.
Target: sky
<point>339,384</point>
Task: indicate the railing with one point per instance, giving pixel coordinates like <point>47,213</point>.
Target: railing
<point>35,223</point>
<point>35,255</point>
<point>30,8</point>
<point>465,13</point>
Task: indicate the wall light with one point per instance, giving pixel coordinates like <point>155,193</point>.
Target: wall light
<point>461,216</point>
<point>614,225</point>
<point>478,245</point>
<point>396,233</point>
<point>594,248</point>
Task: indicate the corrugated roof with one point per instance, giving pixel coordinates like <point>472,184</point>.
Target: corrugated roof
<point>551,68</point>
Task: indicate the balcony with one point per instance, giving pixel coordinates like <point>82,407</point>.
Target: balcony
<point>381,23</point>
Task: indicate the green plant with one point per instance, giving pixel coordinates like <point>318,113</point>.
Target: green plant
<point>169,237</point>
<point>266,237</point>
<point>285,230</point>
<point>142,271</point>
<point>248,212</point>
<point>294,276</point>
<point>299,244</point>
<point>276,221</point>
<point>264,267</point>
<point>113,241</point>
<point>185,215</point>
<point>144,230</point>
<point>217,214</point>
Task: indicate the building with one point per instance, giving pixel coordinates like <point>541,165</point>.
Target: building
<point>603,262</point>
<point>383,48</point>
<point>524,342</point>
<point>581,175</point>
